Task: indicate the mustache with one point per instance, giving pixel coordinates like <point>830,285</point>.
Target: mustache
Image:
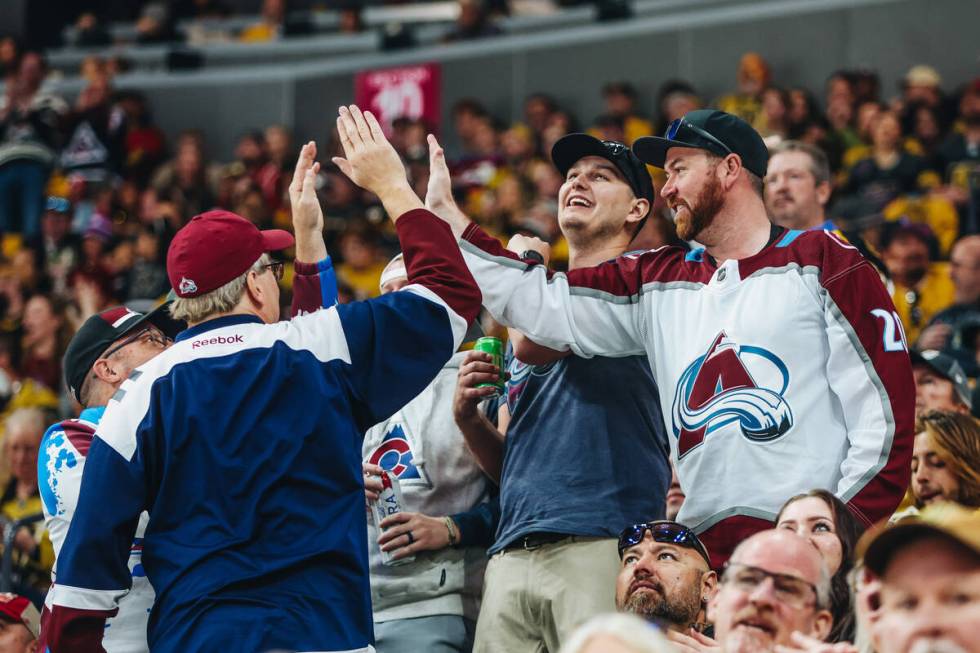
<point>753,615</point>
<point>648,583</point>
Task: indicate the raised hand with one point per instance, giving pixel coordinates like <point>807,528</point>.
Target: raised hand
<point>307,213</point>
<point>371,162</point>
<point>305,206</point>
<point>439,194</point>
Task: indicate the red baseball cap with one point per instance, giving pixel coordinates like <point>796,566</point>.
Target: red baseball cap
<point>216,247</point>
<point>20,610</point>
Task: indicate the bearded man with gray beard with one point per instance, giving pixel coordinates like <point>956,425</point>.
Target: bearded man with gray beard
<point>665,576</point>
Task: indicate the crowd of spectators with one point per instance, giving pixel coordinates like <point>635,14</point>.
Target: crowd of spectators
<point>197,23</point>
<point>92,192</point>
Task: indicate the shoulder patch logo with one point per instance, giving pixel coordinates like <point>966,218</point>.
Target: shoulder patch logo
<point>731,383</point>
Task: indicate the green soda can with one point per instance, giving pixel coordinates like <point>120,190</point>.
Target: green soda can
<point>495,348</point>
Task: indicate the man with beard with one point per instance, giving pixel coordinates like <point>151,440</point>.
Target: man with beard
<point>775,585</point>
<point>778,354</point>
<point>665,576</point>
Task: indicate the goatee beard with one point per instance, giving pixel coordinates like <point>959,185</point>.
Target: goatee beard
<point>702,211</point>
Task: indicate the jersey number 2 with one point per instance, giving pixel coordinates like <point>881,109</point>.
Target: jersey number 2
<point>893,334</point>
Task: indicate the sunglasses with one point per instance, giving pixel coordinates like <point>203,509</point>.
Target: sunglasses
<point>665,532</point>
<point>278,269</point>
<point>146,336</point>
<point>676,125</point>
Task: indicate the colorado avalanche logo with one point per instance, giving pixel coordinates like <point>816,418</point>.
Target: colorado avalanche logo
<point>718,389</point>
<point>395,455</point>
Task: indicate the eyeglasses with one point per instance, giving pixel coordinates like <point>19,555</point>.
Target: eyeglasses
<point>278,269</point>
<point>148,336</point>
<point>665,532</point>
<point>679,123</point>
<point>794,592</point>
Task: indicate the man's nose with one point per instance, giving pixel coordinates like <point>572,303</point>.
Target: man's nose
<point>764,593</point>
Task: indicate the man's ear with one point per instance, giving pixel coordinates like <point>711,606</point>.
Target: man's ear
<point>253,289</point>
<point>638,211</point>
<point>109,372</point>
<point>823,192</point>
<point>709,586</point>
<point>823,621</point>
<point>732,166</point>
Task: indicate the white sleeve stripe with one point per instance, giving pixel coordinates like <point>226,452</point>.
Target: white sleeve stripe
<point>456,321</point>
<point>80,598</point>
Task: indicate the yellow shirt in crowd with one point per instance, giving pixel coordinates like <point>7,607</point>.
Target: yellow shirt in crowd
<point>933,294</point>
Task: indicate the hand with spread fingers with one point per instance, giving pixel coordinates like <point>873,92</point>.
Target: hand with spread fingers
<point>372,163</point>
<point>439,193</point>
<point>806,644</point>
<point>407,533</point>
<point>305,205</point>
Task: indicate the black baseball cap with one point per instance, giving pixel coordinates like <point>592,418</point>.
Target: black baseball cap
<point>569,149</point>
<point>101,330</point>
<point>947,367</point>
<point>708,129</point>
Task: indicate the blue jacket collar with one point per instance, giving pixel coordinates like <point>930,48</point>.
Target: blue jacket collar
<point>217,323</point>
<point>92,414</point>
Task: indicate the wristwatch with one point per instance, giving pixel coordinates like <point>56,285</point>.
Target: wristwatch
<point>534,255</point>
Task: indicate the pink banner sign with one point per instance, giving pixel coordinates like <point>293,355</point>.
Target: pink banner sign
<point>408,91</point>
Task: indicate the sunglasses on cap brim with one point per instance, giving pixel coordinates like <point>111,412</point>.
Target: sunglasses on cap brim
<point>679,123</point>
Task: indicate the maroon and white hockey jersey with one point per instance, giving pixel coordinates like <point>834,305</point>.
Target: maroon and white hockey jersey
<point>778,373</point>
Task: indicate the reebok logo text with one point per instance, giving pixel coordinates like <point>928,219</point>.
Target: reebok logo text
<point>220,340</point>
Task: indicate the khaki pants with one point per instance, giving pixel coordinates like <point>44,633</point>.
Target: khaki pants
<point>533,600</point>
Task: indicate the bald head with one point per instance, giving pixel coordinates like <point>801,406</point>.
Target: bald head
<point>964,269</point>
<point>767,592</point>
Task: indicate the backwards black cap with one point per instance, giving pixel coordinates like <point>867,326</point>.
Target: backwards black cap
<point>98,332</point>
<point>708,129</point>
<point>567,150</point>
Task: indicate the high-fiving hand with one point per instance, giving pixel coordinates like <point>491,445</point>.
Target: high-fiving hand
<point>305,206</point>
<point>372,163</point>
<point>439,194</point>
<point>307,213</point>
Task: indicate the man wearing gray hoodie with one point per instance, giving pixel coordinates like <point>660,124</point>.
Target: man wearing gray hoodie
<point>431,603</point>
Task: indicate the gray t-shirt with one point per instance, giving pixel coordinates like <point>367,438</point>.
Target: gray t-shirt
<point>586,452</point>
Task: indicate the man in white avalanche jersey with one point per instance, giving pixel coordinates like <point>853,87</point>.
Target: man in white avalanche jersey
<point>779,358</point>
<point>101,355</point>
